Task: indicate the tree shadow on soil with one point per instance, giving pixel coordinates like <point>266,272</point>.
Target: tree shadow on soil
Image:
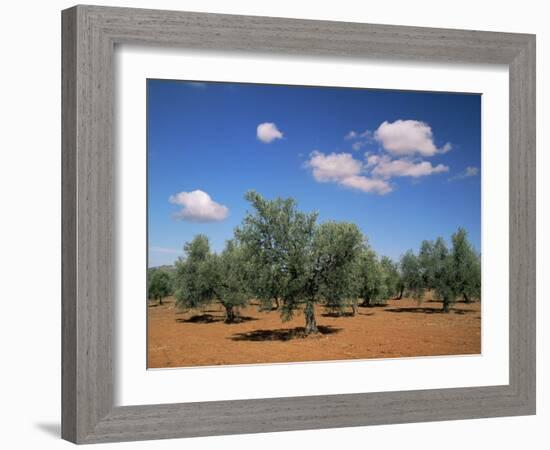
<point>209,318</point>
<point>337,314</point>
<point>422,310</point>
<point>282,334</point>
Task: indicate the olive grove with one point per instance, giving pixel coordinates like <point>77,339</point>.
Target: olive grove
<point>282,256</point>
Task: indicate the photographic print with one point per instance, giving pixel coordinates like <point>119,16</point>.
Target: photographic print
<point>301,223</point>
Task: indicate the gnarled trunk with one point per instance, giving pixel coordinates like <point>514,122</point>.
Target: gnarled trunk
<point>311,325</point>
<point>401,289</point>
<point>160,301</point>
<point>446,305</point>
<point>353,308</point>
<point>467,299</point>
<point>229,314</point>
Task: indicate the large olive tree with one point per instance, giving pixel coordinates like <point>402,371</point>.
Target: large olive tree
<point>278,243</point>
<point>294,259</point>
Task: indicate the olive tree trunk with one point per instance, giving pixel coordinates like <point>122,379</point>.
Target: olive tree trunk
<point>446,305</point>
<point>309,312</point>
<point>229,314</point>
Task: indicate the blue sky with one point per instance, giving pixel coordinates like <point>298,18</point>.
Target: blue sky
<point>404,166</point>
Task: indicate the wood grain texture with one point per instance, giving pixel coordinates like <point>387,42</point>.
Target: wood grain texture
<point>89,37</point>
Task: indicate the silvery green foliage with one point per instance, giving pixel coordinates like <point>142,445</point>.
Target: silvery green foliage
<point>441,265</point>
<point>336,246</point>
<point>296,260</point>
<point>193,284</point>
<point>369,279</point>
<point>452,273</point>
<point>203,277</point>
<point>159,285</point>
<point>465,267</point>
<point>229,273</point>
<point>390,276</point>
<point>411,275</point>
<point>278,242</point>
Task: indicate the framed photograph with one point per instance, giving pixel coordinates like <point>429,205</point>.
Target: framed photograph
<point>278,224</point>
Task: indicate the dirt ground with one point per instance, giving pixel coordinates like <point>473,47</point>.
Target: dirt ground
<point>399,329</point>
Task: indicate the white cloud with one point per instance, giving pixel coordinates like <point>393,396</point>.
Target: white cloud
<point>343,169</point>
<point>387,168</point>
<point>333,167</point>
<point>372,160</point>
<point>408,137</point>
<point>469,172</point>
<point>366,184</point>
<point>267,132</point>
<point>197,206</point>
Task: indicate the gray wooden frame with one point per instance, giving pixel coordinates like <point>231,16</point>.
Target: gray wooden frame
<point>89,37</point>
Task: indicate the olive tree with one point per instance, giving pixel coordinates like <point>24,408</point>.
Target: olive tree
<point>296,260</point>
<point>203,277</point>
<point>228,274</point>
<point>390,276</point>
<point>368,278</point>
<point>159,285</point>
<point>426,263</point>
<point>411,275</point>
<point>336,245</point>
<point>444,285</point>
<point>451,273</point>
<point>465,267</point>
<point>278,243</point>
<point>193,282</point>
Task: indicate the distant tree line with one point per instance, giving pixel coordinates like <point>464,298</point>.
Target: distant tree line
<point>286,260</point>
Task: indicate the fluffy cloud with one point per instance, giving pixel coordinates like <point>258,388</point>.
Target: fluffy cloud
<point>197,206</point>
<point>343,169</point>
<point>366,184</point>
<point>469,172</point>
<point>267,132</point>
<point>408,137</point>
<point>333,167</point>
<point>388,168</point>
